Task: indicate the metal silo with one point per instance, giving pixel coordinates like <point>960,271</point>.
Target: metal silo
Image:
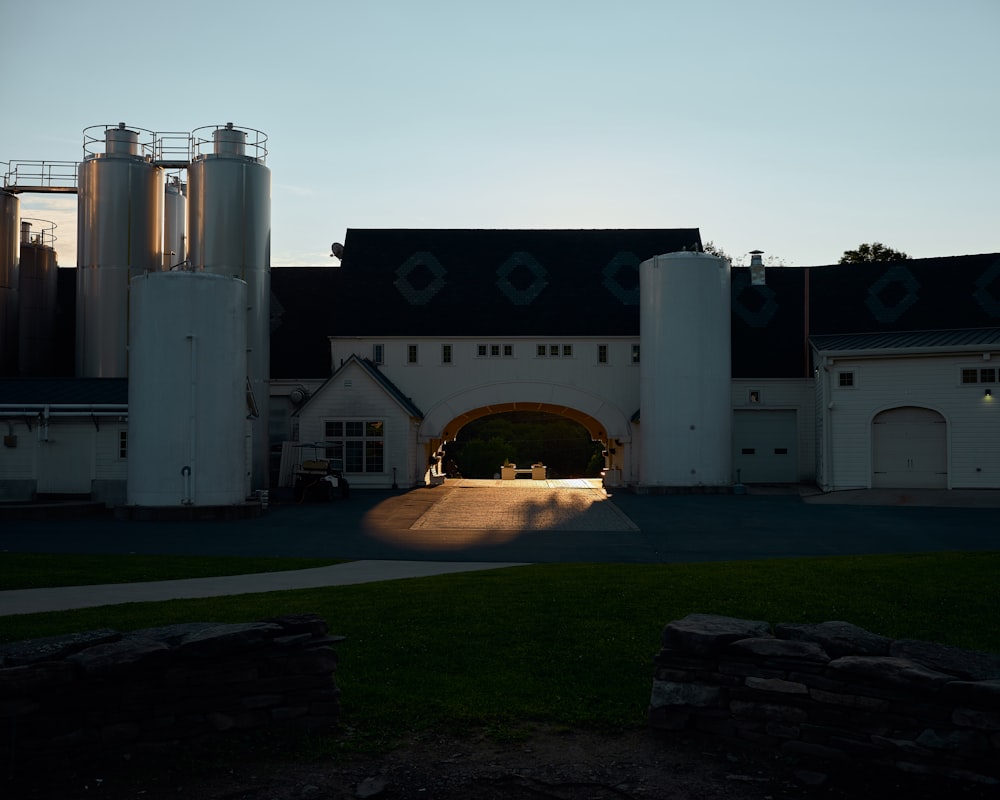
<point>187,428</point>
<point>119,235</point>
<point>38,289</point>
<point>684,371</point>
<point>10,213</point>
<point>229,233</point>
<point>174,223</point>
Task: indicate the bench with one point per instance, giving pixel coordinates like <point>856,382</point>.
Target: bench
<point>539,473</point>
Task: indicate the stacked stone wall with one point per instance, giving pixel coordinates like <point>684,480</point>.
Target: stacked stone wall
<point>105,692</point>
<point>832,693</point>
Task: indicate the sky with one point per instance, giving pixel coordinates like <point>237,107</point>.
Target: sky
<point>797,128</point>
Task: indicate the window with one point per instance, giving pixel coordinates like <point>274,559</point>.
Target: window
<point>411,354</point>
<point>494,351</point>
<point>480,351</point>
<point>845,379</point>
<point>635,354</point>
<point>972,375</point>
<point>602,354</point>
<point>508,351</point>
<point>122,444</point>
<point>446,354</point>
<point>753,396</point>
<point>378,354</point>
<point>357,445</point>
<point>554,350</point>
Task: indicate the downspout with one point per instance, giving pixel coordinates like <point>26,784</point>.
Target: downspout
<point>805,324</point>
<point>827,425</point>
<point>187,471</point>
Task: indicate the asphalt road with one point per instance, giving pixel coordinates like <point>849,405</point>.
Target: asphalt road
<point>642,529</point>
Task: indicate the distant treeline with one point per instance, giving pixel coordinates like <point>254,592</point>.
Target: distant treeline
<point>524,438</point>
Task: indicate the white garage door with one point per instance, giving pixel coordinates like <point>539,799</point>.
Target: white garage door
<point>764,446</point>
<point>909,449</point>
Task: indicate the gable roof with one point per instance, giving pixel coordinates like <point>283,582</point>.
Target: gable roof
<point>383,382</point>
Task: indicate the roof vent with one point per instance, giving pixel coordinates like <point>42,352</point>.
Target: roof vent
<point>757,268</point>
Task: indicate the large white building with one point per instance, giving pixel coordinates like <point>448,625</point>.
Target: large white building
<point>141,378</point>
<point>470,323</point>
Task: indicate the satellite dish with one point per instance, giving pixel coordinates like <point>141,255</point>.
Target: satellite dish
<point>337,250</point>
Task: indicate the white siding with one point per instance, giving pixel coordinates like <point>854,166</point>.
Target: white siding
<point>66,459</point>
<point>791,394</point>
<point>20,461</point>
<point>19,464</point>
<point>352,394</point>
<point>615,384</point>
<point>934,382</point>
<point>108,465</point>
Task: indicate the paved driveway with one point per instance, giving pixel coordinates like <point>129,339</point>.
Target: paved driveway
<point>525,521</point>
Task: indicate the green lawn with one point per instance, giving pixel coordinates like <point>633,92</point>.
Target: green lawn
<point>570,644</point>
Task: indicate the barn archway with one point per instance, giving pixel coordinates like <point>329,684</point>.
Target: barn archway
<point>603,422</point>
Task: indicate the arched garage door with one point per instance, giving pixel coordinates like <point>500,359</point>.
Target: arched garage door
<point>909,449</point>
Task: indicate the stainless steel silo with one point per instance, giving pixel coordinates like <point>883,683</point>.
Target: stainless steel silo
<point>229,233</point>
<point>10,213</point>
<point>174,223</point>
<point>38,289</point>
<point>119,235</point>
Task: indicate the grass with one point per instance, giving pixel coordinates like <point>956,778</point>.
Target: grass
<point>569,644</point>
<point>35,570</point>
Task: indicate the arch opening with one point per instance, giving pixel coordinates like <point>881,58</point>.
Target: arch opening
<point>568,443</point>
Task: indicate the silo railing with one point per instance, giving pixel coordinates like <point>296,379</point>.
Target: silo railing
<point>41,232</point>
<point>41,176</point>
<point>222,140</point>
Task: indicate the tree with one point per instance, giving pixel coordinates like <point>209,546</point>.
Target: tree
<point>713,249</point>
<point>876,251</point>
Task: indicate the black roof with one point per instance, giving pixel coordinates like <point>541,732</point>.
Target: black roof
<point>554,283</point>
<point>64,391</point>
<point>465,282</point>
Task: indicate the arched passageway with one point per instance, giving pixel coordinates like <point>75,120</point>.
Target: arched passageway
<point>524,444</point>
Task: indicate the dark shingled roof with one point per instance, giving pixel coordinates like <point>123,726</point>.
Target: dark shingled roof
<point>406,282</point>
<point>64,391</point>
<point>556,283</point>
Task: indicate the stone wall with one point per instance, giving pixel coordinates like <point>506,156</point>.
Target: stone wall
<point>832,694</point>
<point>104,692</point>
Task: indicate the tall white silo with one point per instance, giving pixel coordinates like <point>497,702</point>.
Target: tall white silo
<point>684,371</point>
<point>38,289</point>
<point>187,390</point>
<point>229,233</point>
<point>10,223</point>
<point>119,236</point>
<point>174,223</point>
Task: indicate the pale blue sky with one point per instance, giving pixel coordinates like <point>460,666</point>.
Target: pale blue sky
<point>798,128</point>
